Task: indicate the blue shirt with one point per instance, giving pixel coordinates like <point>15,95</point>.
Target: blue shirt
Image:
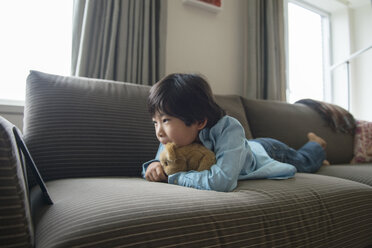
<point>237,159</point>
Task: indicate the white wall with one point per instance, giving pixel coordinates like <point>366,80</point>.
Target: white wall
<point>362,73</point>
<point>208,43</point>
<point>14,114</point>
<point>341,49</point>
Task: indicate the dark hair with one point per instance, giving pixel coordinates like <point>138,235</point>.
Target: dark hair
<point>185,96</point>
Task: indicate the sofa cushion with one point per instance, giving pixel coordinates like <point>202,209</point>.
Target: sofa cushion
<point>80,127</point>
<point>290,124</point>
<point>234,107</point>
<point>361,173</point>
<point>318,211</point>
<point>16,228</point>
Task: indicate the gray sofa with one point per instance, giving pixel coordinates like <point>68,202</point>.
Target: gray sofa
<point>89,139</point>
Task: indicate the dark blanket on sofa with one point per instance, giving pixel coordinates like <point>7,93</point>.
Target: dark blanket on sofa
<point>338,118</point>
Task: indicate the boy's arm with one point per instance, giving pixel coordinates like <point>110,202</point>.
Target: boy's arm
<point>146,164</point>
<point>227,140</point>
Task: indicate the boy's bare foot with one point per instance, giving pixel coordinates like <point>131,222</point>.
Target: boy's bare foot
<point>315,138</point>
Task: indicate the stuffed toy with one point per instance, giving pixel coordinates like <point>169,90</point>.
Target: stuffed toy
<point>190,157</point>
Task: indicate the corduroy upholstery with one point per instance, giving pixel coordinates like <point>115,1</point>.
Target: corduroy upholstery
<point>234,107</point>
<point>16,228</point>
<point>359,172</point>
<point>79,127</point>
<point>309,210</point>
<point>89,138</point>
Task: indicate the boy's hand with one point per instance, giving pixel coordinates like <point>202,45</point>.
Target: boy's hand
<point>155,173</point>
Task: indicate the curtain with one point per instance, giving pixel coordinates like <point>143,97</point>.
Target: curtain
<point>264,50</point>
<point>121,40</point>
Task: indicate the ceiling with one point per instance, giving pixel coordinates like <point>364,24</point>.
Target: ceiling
<point>356,3</point>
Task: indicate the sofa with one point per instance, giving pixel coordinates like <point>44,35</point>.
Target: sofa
<point>89,138</point>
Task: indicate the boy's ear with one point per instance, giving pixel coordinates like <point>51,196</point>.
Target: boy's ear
<point>202,124</point>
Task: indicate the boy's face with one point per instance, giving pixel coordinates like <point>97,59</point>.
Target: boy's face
<point>172,129</point>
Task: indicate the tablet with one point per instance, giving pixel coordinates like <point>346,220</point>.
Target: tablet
<point>31,165</point>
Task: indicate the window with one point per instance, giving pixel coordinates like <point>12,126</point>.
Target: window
<point>35,35</point>
<point>308,53</point>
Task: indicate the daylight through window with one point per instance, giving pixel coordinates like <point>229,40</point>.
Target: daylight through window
<point>36,35</point>
<point>307,54</point>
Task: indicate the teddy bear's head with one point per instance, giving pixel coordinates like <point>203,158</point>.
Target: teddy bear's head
<point>170,161</point>
<point>194,157</point>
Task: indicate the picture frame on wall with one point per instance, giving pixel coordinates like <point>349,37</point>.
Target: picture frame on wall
<point>209,5</point>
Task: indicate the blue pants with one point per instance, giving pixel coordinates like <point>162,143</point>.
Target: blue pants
<point>308,158</point>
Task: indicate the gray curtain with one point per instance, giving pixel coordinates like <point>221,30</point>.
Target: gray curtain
<point>121,40</point>
<point>264,50</point>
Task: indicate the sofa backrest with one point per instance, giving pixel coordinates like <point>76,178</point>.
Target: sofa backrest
<point>233,106</point>
<point>80,127</point>
<point>290,124</point>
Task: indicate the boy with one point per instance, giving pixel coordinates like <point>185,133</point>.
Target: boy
<point>183,110</point>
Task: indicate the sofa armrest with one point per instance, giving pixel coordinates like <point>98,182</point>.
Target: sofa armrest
<point>15,216</point>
